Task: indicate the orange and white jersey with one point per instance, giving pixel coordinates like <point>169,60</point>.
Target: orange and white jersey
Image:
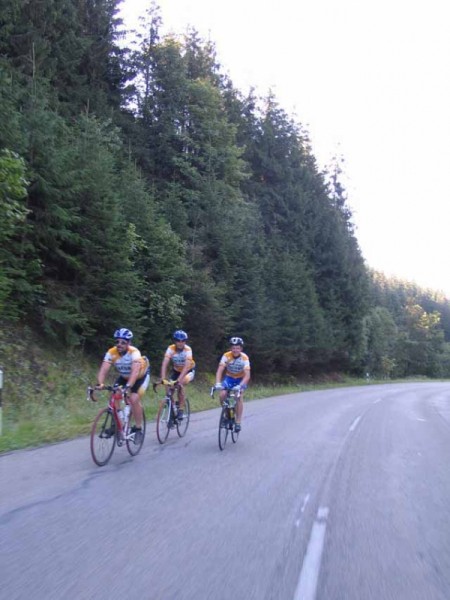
<point>235,367</point>
<point>123,362</point>
<point>179,358</point>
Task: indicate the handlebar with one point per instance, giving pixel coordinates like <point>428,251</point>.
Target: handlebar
<point>105,388</point>
<point>237,389</point>
<point>170,382</point>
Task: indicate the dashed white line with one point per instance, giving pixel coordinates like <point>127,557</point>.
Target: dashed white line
<point>302,510</point>
<point>355,423</point>
<point>305,502</point>
<point>309,575</point>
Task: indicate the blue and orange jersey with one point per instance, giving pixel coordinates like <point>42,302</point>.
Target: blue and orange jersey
<point>123,362</point>
<point>179,358</point>
<point>235,367</point>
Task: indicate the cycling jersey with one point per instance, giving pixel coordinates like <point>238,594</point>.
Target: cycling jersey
<point>123,362</point>
<point>235,367</point>
<point>179,358</point>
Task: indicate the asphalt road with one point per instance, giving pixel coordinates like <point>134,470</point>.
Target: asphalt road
<point>328,495</point>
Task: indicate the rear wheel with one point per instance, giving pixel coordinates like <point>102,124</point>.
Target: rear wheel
<point>184,424</point>
<point>103,437</point>
<point>223,428</point>
<point>163,421</point>
<point>133,447</point>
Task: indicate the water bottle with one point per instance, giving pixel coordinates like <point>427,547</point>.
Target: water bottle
<point>126,414</point>
<point>121,416</point>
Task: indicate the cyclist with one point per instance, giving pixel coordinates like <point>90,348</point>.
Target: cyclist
<point>183,365</point>
<point>134,374</point>
<point>236,365</point>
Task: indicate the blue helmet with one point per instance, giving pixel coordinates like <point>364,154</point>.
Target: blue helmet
<point>236,341</point>
<point>179,335</point>
<point>123,334</point>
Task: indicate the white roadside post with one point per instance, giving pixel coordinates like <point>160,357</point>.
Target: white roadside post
<point>1,407</point>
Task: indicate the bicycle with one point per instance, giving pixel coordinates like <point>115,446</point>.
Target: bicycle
<point>113,426</point>
<point>167,417</point>
<point>227,421</point>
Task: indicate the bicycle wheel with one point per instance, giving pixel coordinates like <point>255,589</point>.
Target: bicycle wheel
<point>132,447</point>
<point>223,428</point>
<point>103,437</point>
<point>234,434</point>
<point>184,424</point>
<point>164,421</point>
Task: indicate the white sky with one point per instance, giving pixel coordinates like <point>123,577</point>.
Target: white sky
<point>370,79</point>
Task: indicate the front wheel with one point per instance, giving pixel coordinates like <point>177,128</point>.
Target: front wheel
<point>133,447</point>
<point>184,423</point>
<point>103,437</point>
<point>223,427</point>
<point>163,421</point>
<point>234,434</point>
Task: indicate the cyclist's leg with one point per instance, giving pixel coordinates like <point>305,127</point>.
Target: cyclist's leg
<point>174,376</point>
<point>239,404</point>
<point>181,388</point>
<point>137,391</point>
<point>227,384</point>
<point>239,408</point>
<point>122,382</point>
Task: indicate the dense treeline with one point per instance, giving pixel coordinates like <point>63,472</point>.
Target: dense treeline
<point>139,188</point>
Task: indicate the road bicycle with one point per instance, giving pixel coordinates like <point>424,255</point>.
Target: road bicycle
<point>167,417</point>
<point>227,421</point>
<point>114,426</point>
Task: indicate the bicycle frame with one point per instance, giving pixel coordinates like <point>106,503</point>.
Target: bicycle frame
<point>232,397</point>
<point>167,417</point>
<point>228,416</point>
<point>117,395</point>
<point>108,430</point>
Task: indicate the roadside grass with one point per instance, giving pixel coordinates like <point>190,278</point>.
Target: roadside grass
<point>44,394</point>
<point>55,408</point>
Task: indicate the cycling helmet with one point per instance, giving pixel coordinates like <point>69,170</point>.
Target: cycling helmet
<point>236,341</point>
<point>123,334</point>
<point>179,335</point>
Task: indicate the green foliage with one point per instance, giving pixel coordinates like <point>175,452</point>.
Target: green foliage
<point>380,336</point>
<point>13,214</point>
<point>157,197</point>
<point>12,192</point>
<point>418,345</point>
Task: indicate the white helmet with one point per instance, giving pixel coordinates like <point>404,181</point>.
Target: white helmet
<point>123,334</point>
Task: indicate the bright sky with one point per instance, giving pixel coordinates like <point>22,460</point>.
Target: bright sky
<point>370,79</point>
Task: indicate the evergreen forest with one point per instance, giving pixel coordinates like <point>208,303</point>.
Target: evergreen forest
<point>139,188</point>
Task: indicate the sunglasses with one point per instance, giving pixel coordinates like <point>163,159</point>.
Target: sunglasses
<point>118,342</point>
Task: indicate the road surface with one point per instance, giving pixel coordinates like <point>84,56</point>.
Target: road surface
<point>329,495</point>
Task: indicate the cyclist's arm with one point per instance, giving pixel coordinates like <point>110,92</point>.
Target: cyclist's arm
<point>219,373</point>
<point>134,375</point>
<point>246,378</point>
<point>165,364</point>
<point>187,367</point>
<point>103,372</point>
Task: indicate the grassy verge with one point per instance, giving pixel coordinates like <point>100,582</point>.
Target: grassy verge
<point>56,408</point>
<point>44,395</point>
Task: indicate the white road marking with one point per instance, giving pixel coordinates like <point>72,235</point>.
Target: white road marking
<point>302,510</point>
<point>305,502</point>
<point>421,419</point>
<point>376,401</point>
<point>355,423</point>
<point>309,575</point>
